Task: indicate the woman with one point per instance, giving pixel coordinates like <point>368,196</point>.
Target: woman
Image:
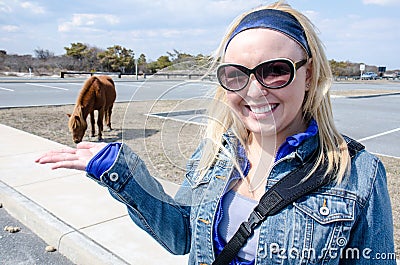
<point>270,114</point>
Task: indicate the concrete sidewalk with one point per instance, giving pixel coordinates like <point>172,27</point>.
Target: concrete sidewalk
<point>68,210</point>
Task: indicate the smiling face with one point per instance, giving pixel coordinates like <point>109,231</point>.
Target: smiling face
<point>268,112</point>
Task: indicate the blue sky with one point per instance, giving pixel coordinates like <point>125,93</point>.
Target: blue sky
<point>364,31</point>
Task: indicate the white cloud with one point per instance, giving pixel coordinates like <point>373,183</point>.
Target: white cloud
<point>9,28</point>
<point>18,7</point>
<point>154,27</point>
<point>166,33</point>
<point>4,8</point>
<point>183,13</point>
<point>33,7</point>
<point>357,38</point>
<point>381,2</point>
<point>311,14</point>
<point>87,21</point>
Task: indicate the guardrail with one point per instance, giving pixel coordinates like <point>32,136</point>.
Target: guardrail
<point>357,77</point>
<point>353,77</point>
<point>189,76</point>
<point>63,73</point>
<point>119,74</point>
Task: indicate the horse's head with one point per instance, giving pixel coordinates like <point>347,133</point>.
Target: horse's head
<point>77,125</point>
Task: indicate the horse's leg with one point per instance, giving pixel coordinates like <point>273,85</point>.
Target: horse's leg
<point>92,123</point>
<point>108,117</point>
<point>100,122</point>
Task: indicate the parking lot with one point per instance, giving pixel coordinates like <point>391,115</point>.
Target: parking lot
<point>373,120</point>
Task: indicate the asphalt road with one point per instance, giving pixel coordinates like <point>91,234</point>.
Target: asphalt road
<point>22,94</point>
<point>372,120</point>
<point>24,247</point>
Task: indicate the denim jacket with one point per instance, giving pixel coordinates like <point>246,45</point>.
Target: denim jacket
<point>346,223</point>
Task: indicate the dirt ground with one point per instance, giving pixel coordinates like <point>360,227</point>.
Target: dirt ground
<point>164,144</point>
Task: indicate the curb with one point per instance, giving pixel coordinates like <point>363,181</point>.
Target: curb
<point>70,242</point>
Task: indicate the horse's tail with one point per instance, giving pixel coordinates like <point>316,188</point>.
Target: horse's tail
<point>109,87</point>
<point>111,81</point>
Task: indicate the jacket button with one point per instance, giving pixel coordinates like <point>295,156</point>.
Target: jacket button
<point>114,177</point>
<point>324,211</point>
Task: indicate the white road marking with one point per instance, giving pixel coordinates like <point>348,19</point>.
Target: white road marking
<point>378,135</point>
<point>130,85</point>
<point>176,119</point>
<point>6,89</point>
<point>389,156</point>
<point>60,88</point>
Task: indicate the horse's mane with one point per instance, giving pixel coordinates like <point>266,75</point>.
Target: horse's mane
<point>80,103</point>
<point>85,90</point>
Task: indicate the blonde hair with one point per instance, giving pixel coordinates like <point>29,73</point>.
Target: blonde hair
<point>316,105</point>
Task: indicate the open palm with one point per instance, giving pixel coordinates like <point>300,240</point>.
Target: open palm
<point>72,158</point>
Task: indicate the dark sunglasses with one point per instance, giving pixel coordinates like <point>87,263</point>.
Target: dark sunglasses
<point>274,74</point>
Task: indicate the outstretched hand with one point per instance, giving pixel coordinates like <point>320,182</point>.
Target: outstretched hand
<point>72,158</point>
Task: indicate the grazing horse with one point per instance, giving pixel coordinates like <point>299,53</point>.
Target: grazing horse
<point>98,93</point>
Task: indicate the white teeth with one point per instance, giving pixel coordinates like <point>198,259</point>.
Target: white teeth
<point>264,109</point>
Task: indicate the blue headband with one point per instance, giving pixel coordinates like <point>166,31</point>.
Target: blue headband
<point>275,20</point>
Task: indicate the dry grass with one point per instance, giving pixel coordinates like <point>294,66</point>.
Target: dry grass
<point>164,144</point>
<point>392,166</point>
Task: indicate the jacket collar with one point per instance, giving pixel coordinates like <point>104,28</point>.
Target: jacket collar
<point>303,151</point>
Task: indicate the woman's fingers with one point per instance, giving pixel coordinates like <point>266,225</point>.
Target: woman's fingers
<point>86,145</point>
<point>55,157</point>
<point>54,153</point>
<point>63,160</point>
<point>71,158</point>
<point>74,164</point>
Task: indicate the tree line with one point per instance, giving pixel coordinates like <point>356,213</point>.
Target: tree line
<point>84,57</point>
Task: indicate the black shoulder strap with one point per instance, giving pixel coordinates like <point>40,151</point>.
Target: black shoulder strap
<point>353,146</point>
<point>290,188</point>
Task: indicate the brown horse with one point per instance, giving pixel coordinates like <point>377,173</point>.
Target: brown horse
<point>98,93</point>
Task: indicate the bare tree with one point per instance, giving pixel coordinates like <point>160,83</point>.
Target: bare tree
<point>43,54</point>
